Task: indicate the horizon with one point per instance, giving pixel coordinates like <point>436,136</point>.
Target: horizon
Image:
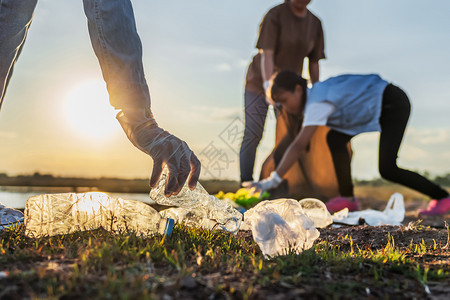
<point>195,59</point>
<point>36,174</point>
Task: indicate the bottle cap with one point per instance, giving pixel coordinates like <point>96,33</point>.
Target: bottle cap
<point>167,226</point>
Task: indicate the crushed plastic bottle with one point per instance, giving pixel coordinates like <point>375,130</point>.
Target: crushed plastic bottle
<point>199,205</point>
<point>9,217</point>
<point>279,226</point>
<point>316,211</point>
<point>54,214</point>
<point>393,214</point>
<point>188,218</point>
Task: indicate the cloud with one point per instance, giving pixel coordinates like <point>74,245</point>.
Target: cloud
<point>414,153</point>
<point>221,59</point>
<point>224,67</point>
<point>7,135</point>
<point>429,136</point>
<point>215,52</point>
<point>213,113</point>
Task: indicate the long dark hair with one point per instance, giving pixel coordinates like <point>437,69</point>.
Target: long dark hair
<point>287,80</point>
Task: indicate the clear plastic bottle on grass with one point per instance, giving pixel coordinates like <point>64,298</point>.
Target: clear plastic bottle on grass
<point>54,214</point>
<point>197,207</point>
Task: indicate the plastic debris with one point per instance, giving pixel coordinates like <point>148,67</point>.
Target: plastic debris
<point>197,205</point>
<point>54,214</point>
<point>393,214</point>
<point>10,217</point>
<point>188,218</point>
<point>316,211</point>
<point>280,226</point>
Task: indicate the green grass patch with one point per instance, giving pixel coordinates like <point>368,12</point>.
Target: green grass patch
<point>197,263</point>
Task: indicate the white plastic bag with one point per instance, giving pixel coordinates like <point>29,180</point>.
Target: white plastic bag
<point>393,214</point>
<point>280,226</point>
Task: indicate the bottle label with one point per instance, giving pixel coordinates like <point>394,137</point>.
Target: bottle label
<point>168,227</point>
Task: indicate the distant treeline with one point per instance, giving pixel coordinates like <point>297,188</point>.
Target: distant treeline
<point>106,184</point>
<point>139,185</point>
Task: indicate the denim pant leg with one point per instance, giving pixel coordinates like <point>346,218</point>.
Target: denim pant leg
<point>112,29</point>
<point>255,117</point>
<point>15,19</point>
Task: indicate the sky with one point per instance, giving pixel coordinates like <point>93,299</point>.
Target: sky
<point>56,118</point>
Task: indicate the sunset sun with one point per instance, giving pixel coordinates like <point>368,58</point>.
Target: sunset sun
<point>87,111</point>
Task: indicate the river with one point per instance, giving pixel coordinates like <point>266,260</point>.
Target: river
<point>16,197</point>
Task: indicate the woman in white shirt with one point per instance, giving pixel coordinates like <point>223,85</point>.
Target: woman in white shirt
<point>349,105</point>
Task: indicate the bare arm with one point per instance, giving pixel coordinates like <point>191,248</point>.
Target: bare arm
<point>267,63</point>
<point>295,149</point>
<point>314,71</point>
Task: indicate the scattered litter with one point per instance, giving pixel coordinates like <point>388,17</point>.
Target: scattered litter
<point>316,211</point>
<point>197,207</point>
<point>54,214</point>
<point>10,217</point>
<point>280,226</point>
<point>188,218</point>
<point>393,214</point>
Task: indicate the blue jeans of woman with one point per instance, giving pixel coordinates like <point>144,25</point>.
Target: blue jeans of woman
<point>255,117</point>
<point>113,34</point>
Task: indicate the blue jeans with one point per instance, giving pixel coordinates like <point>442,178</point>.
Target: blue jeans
<point>255,116</point>
<point>113,34</point>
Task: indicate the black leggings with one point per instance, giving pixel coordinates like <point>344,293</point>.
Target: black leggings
<point>394,117</point>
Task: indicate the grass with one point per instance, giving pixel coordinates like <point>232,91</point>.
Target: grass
<point>195,263</point>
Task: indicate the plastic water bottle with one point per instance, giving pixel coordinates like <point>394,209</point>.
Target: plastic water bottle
<point>197,207</point>
<point>54,214</point>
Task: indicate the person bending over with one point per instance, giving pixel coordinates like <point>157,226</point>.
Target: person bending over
<point>350,105</point>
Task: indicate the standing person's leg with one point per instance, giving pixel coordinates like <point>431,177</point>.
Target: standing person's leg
<point>15,19</point>
<point>338,144</point>
<point>394,117</point>
<point>255,117</point>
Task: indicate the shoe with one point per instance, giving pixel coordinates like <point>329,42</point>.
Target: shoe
<point>440,208</point>
<point>430,206</point>
<point>339,203</point>
<point>9,217</point>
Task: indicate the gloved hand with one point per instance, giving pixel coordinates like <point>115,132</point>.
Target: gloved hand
<point>165,148</point>
<point>268,183</point>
